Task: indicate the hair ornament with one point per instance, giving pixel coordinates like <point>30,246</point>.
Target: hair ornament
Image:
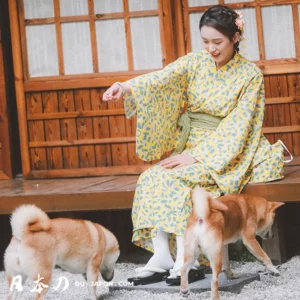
<point>239,21</point>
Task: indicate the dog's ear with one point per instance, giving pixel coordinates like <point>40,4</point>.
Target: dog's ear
<point>274,205</point>
<point>217,205</point>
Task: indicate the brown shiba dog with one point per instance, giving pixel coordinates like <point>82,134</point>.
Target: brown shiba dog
<point>216,222</point>
<point>39,243</point>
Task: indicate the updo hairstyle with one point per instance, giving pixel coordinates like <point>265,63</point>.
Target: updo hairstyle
<point>223,19</point>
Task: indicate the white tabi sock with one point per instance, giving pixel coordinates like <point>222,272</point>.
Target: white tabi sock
<point>161,258</point>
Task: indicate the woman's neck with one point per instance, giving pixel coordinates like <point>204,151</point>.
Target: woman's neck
<point>220,64</point>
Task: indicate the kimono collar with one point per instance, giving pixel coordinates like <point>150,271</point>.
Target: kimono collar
<point>233,63</point>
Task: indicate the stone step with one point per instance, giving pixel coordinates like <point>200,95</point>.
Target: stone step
<point>233,286</point>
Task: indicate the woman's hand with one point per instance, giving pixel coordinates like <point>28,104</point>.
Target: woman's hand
<point>116,91</point>
<point>177,161</point>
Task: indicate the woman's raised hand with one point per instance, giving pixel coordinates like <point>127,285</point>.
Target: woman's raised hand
<point>115,92</point>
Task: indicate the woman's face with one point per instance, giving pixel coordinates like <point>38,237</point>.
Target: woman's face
<point>218,45</point>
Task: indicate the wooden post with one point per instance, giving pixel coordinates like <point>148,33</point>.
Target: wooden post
<point>179,27</point>
<point>168,31</point>
<point>296,28</point>
<point>128,35</point>
<point>276,247</point>
<point>60,53</point>
<point>260,33</point>
<point>187,28</point>
<point>5,145</point>
<point>18,72</point>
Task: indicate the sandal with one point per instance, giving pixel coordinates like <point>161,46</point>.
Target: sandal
<point>157,276</point>
<point>194,275</point>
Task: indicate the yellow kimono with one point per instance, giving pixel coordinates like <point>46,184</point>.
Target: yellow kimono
<point>228,157</point>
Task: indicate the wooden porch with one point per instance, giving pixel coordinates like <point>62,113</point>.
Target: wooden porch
<point>76,194</point>
<point>114,192</point>
<point>109,198</point>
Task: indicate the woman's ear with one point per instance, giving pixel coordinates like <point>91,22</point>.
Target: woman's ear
<point>236,37</point>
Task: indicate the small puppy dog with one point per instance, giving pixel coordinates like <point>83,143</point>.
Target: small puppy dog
<point>39,243</point>
<point>216,222</point>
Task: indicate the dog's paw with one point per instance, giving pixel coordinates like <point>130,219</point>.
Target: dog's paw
<point>84,276</point>
<point>184,292</point>
<point>275,273</point>
<point>273,270</point>
<point>231,275</point>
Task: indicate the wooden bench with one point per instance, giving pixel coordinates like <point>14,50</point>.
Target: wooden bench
<point>116,192</point>
<point>286,190</point>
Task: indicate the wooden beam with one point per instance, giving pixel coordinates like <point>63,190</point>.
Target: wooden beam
<point>232,5</point>
<point>76,114</point>
<point>77,82</point>
<point>276,2</point>
<point>106,79</point>
<point>70,202</point>
<point>86,172</point>
<point>17,58</point>
<point>4,176</point>
<point>286,190</point>
<point>64,143</point>
<point>273,67</point>
<point>94,17</point>
<point>282,100</point>
<point>39,21</point>
<point>281,129</point>
<point>242,5</point>
<point>274,192</point>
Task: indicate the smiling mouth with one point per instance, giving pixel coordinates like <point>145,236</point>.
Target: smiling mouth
<point>215,55</point>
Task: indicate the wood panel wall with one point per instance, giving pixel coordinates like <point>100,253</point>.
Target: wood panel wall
<point>74,133</point>
<point>282,112</point>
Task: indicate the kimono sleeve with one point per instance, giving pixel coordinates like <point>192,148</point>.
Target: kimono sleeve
<point>156,99</point>
<point>238,133</point>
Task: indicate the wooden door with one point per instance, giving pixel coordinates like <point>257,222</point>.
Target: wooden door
<point>272,41</point>
<point>66,54</point>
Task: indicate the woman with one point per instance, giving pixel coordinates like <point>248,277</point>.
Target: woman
<point>220,147</point>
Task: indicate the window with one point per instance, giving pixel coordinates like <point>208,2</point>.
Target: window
<point>68,37</point>
<point>271,28</point>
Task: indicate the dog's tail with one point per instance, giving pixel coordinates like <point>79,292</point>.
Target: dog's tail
<point>28,219</point>
<point>203,202</point>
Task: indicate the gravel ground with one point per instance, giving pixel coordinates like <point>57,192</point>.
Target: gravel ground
<point>284,287</point>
